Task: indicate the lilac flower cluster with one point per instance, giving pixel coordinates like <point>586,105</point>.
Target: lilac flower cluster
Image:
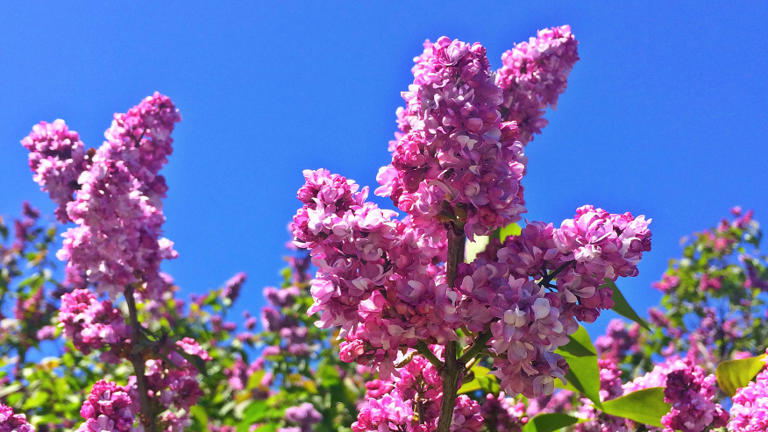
<point>503,414</point>
<point>533,76</point>
<point>619,340</point>
<point>410,402</point>
<point>117,196</point>
<point>610,388</point>
<point>691,393</point>
<point>749,412</point>
<point>56,157</point>
<point>511,287</point>
<point>304,415</point>
<point>91,324</point>
<point>377,277</point>
<point>454,158</point>
<point>10,422</point>
<point>109,407</point>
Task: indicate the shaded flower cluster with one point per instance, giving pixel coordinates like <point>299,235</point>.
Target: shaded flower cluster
<point>91,324</point>
<point>691,393</point>
<point>410,402</point>
<point>10,422</point>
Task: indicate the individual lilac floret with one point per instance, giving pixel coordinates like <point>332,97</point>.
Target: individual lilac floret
<point>109,407</point>
<point>749,412</point>
<point>304,415</point>
<point>90,323</point>
<point>56,157</point>
<point>454,158</point>
<point>533,75</point>
<point>10,422</point>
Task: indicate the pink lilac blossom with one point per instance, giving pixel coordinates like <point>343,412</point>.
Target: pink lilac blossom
<point>749,412</point>
<point>10,422</point>
<point>109,408</point>
<point>413,403</point>
<point>378,277</point>
<point>91,324</point>
<point>533,76</point>
<point>619,340</point>
<point>56,157</point>
<point>454,157</point>
<point>118,207</point>
<point>304,415</point>
<point>231,289</point>
<point>503,414</point>
<point>691,393</point>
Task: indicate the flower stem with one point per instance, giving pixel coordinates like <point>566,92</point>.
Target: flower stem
<point>137,359</point>
<point>453,369</point>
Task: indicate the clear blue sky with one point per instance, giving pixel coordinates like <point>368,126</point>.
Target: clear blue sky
<point>664,115</point>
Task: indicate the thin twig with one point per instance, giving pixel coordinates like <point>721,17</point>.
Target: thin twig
<point>424,350</point>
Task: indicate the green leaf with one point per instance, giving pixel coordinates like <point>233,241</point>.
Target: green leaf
<point>36,400</point>
<point>474,248</point>
<point>622,307</point>
<point>551,422</point>
<point>645,406</point>
<point>583,373</point>
<point>512,229</point>
<point>200,416</point>
<point>734,374</point>
<point>482,380</point>
<point>328,375</point>
<point>255,413</point>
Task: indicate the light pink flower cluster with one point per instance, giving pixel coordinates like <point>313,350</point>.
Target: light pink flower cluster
<point>377,277</point>
<point>109,408</point>
<point>416,389</point>
<point>118,207</point>
<point>56,157</point>
<point>749,412</point>
<point>691,393</point>
<point>454,157</point>
<point>10,422</point>
<point>533,76</point>
<point>91,324</point>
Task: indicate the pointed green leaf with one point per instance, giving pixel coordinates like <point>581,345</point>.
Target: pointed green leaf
<point>482,379</point>
<point>645,406</point>
<point>622,307</point>
<point>583,372</point>
<point>512,229</point>
<point>734,374</point>
<point>550,422</point>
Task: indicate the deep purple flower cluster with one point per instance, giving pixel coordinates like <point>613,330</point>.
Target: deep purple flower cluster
<point>10,422</point>
<point>533,76</point>
<point>56,157</point>
<point>91,324</point>
<point>503,414</point>
<point>691,393</point>
<point>109,408</point>
<point>410,402</point>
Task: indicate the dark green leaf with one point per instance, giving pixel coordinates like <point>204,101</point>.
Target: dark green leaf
<point>734,374</point>
<point>645,406</point>
<point>583,374</point>
<point>550,422</point>
<point>622,307</point>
